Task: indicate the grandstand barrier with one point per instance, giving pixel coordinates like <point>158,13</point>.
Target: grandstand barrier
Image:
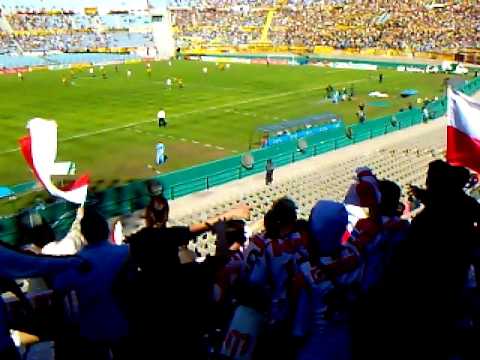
<point>124,199</point>
<point>315,59</point>
<point>320,51</point>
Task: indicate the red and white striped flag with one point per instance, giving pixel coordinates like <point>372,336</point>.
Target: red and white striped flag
<point>463,131</point>
<point>40,152</point>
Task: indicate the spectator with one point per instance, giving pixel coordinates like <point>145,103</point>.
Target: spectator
<point>37,237</point>
<point>154,251</point>
<point>272,264</point>
<point>225,271</point>
<point>431,267</point>
<point>71,243</point>
<point>330,276</point>
<point>102,327</point>
<point>17,265</point>
<point>376,259</point>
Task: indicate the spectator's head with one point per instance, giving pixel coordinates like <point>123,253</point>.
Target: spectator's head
<point>156,213</point>
<point>364,192</point>
<point>93,226</point>
<point>460,177</point>
<point>39,235</point>
<point>443,179</point>
<point>235,233</point>
<point>280,220</point>
<point>390,204</point>
<point>230,236</point>
<point>328,223</point>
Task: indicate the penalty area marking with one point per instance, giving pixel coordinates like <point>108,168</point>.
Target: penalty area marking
<point>210,108</point>
<point>182,139</point>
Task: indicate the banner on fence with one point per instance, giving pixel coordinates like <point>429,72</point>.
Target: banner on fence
<point>353,66</point>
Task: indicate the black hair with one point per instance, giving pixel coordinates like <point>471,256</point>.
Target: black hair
<point>445,178</point>
<point>235,232</point>
<point>39,235</point>
<point>157,211</point>
<point>283,213</point>
<point>93,225</point>
<point>391,193</point>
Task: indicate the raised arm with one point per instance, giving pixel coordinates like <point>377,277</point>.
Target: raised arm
<point>241,212</point>
<point>15,265</point>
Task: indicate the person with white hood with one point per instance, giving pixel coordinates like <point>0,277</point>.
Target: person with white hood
<point>323,313</point>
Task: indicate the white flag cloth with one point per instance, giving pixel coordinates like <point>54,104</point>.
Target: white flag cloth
<point>463,131</point>
<point>40,152</point>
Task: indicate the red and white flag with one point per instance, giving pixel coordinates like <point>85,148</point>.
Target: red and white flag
<point>40,152</point>
<point>463,131</point>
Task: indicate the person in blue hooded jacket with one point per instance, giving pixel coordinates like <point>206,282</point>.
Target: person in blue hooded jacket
<point>18,265</point>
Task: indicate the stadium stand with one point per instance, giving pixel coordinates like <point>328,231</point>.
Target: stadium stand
<point>64,30</point>
<point>402,157</point>
<point>412,25</point>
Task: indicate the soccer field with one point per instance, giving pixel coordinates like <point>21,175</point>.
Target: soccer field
<point>108,126</point>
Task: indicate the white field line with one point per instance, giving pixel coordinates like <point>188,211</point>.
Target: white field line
<point>210,108</point>
<point>182,139</point>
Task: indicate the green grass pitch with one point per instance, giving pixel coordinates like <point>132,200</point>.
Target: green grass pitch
<point>108,126</point>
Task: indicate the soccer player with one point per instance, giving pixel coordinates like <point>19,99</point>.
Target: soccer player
<point>180,83</point>
<point>129,73</point>
<point>169,83</point>
<point>20,76</point>
<point>162,120</point>
<point>380,78</point>
<point>149,72</point>
<point>92,71</point>
<point>64,81</point>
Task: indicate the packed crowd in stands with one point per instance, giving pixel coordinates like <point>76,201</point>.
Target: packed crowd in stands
<point>407,25</point>
<point>33,22</point>
<point>5,42</point>
<point>357,280</point>
<point>412,25</point>
<point>220,3</point>
<point>381,24</point>
<point>40,31</point>
<point>232,26</point>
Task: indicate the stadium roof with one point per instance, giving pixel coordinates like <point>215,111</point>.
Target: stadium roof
<point>323,119</point>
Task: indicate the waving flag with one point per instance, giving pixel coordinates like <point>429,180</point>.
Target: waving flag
<point>40,152</point>
<point>463,131</point>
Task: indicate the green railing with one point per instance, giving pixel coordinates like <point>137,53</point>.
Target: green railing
<point>120,200</point>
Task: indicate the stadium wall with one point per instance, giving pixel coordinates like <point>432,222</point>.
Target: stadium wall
<point>317,60</point>
<point>325,51</point>
<point>133,196</point>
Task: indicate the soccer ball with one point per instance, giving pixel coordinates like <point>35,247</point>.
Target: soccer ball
<point>205,70</point>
